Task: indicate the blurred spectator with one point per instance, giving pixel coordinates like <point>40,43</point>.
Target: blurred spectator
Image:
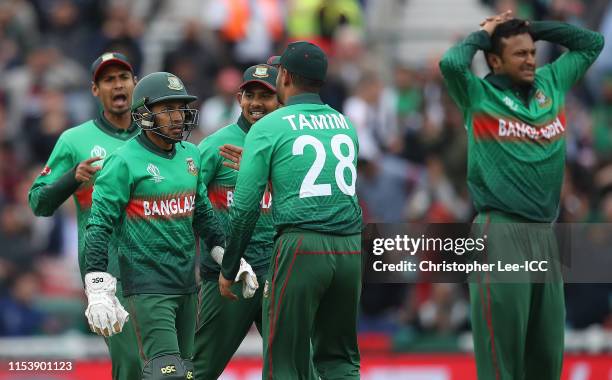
<point>194,62</point>
<point>43,129</point>
<point>602,122</point>
<point>121,32</point>
<point>19,315</point>
<point>373,116</point>
<point>15,231</point>
<point>249,30</point>
<point>445,309</point>
<point>67,32</point>
<point>384,181</point>
<point>318,20</point>
<point>222,109</point>
<point>25,85</point>
<point>18,31</point>
<point>350,58</point>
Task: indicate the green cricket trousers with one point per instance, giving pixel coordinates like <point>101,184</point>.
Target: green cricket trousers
<point>310,307</point>
<point>517,323</point>
<point>222,325</point>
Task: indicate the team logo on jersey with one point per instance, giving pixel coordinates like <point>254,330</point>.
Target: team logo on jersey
<point>174,83</point>
<point>266,291</point>
<point>261,72</point>
<point>46,171</point>
<point>543,100</point>
<point>98,151</point>
<point>154,171</point>
<point>191,168</point>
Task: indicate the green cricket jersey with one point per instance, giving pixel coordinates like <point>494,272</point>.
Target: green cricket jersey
<point>154,200</point>
<point>56,182</point>
<point>516,138</point>
<point>221,182</point>
<point>306,152</point>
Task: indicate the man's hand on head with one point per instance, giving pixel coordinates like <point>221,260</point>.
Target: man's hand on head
<point>490,23</point>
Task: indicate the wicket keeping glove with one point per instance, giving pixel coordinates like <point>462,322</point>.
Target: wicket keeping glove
<point>104,313</point>
<point>245,273</point>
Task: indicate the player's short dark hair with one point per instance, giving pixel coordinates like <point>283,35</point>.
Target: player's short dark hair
<point>306,84</point>
<point>507,29</point>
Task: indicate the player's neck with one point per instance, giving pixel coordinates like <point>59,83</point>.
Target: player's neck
<point>159,141</point>
<point>291,92</point>
<point>123,121</point>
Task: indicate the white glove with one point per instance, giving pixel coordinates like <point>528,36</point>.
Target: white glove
<point>245,273</point>
<point>104,313</point>
<point>249,279</point>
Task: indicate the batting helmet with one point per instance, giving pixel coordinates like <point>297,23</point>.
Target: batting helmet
<point>157,88</point>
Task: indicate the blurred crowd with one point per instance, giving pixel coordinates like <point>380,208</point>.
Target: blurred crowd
<point>412,159</point>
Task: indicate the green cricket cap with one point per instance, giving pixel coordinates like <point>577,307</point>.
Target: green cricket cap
<point>305,59</point>
<point>263,74</point>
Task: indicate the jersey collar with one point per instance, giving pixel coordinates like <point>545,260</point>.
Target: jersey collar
<point>305,97</point>
<point>503,82</point>
<point>102,122</point>
<point>151,147</point>
<point>243,123</point>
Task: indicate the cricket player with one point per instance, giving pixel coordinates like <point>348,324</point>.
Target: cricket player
<point>72,169</point>
<point>151,193</point>
<point>222,325</point>
<point>516,126</point>
<point>306,152</point>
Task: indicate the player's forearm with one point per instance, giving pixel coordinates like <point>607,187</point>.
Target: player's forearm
<point>458,59</point>
<point>242,224</point>
<point>570,36</point>
<point>207,225</point>
<point>45,199</point>
<point>97,239</point>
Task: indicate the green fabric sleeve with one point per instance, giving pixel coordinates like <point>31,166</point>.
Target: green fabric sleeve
<point>584,47</point>
<point>205,222</point>
<point>210,159</point>
<point>250,186</point>
<point>455,66</point>
<point>110,197</point>
<point>56,183</point>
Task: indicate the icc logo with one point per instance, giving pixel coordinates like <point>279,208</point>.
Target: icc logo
<point>154,171</point>
<point>98,151</point>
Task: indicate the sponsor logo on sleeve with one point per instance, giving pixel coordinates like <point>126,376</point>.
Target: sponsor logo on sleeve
<point>46,171</point>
